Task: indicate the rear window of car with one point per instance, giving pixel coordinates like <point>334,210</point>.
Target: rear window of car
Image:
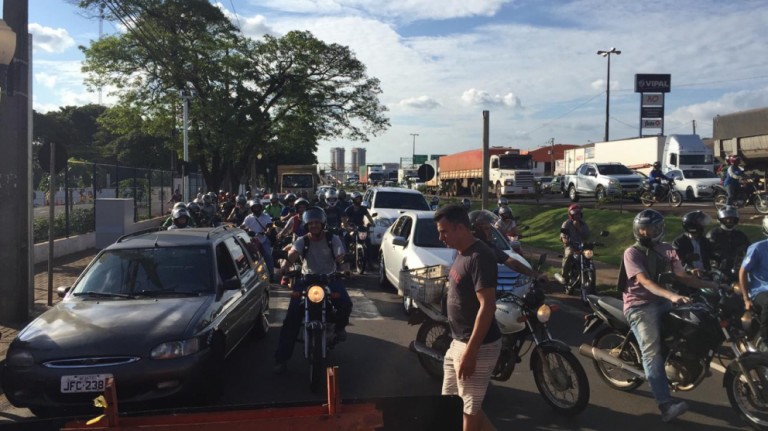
<point>403,201</point>
<point>133,271</point>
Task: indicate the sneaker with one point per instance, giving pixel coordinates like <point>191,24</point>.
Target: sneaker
<point>279,368</point>
<point>341,335</point>
<point>672,410</point>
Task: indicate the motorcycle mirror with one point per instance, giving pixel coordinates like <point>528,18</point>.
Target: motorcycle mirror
<point>604,233</point>
<point>542,259</point>
<point>524,227</point>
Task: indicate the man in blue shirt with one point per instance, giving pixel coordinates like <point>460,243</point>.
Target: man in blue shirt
<point>655,177</point>
<point>753,280</point>
<point>733,177</point>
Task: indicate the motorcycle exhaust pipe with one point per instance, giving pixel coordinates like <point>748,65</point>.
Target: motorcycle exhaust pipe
<point>600,355</point>
<point>421,348</point>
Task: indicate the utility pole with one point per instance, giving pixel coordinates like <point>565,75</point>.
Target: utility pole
<point>552,156</point>
<point>413,155</point>
<point>694,127</point>
<point>185,95</point>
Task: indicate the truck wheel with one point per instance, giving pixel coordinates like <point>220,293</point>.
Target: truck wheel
<point>572,194</point>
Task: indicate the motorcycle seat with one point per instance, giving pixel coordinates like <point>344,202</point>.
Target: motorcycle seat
<point>614,307</point>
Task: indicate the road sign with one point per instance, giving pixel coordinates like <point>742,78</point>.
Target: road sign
<point>652,124</point>
<point>426,172</point>
<point>419,159</point>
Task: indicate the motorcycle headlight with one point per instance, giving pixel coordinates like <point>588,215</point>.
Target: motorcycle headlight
<point>316,294</point>
<point>22,359</point>
<point>176,349</point>
<point>589,253</point>
<point>543,313</point>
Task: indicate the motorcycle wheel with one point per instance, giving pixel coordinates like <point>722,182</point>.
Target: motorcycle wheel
<point>720,200</point>
<point>610,341</point>
<point>437,336</point>
<point>675,199</point>
<point>761,203</point>
<point>316,361</point>
<point>563,382</point>
<point>588,286</point>
<point>751,407</point>
<point>360,258</point>
<point>646,198</point>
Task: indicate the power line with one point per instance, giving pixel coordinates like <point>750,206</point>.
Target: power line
<point>237,18</point>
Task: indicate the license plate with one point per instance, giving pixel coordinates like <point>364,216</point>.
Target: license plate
<point>84,383</point>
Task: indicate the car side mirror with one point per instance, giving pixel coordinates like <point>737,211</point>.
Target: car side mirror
<point>676,178</point>
<point>232,284</point>
<point>62,291</point>
<point>400,241</point>
<point>374,214</point>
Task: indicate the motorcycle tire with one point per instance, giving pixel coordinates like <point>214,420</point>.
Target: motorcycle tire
<point>588,286</point>
<point>435,335</point>
<point>675,199</point>
<point>751,407</point>
<point>609,340</point>
<point>316,361</point>
<point>562,382</point>
<point>646,198</point>
<point>720,201</point>
<point>761,203</point>
<point>360,258</point>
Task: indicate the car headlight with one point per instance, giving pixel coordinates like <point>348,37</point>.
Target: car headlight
<point>613,182</point>
<point>22,359</point>
<point>543,313</point>
<point>316,294</point>
<point>589,253</point>
<point>702,187</point>
<point>509,183</point>
<point>176,349</point>
<point>382,222</point>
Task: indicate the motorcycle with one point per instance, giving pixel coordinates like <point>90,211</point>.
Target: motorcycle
<point>318,334</point>
<point>357,251</point>
<point>558,374</point>
<point>582,276</point>
<point>748,194</point>
<point>693,336</point>
<point>667,193</point>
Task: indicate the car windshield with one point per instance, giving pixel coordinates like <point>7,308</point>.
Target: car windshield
<point>403,201</point>
<point>150,271</point>
<point>426,234</point>
<point>699,173</point>
<point>297,180</point>
<point>614,170</point>
<point>498,240</point>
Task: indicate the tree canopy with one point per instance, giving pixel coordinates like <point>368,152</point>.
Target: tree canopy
<point>276,96</point>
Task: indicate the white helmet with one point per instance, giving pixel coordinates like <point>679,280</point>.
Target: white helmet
<point>331,198</point>
<point>508,316</point>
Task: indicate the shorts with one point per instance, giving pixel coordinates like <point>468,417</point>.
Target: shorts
<point>472,391</point>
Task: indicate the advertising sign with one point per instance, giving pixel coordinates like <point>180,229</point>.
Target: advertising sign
<point>653,124</point>
<point>652,112</point>
<point>653,83</point>
<point>652,99</point>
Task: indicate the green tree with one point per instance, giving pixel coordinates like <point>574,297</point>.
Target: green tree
<point>277,96</point>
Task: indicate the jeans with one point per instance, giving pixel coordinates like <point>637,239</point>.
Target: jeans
<point>733,190</point>
<point>295,315</point>
<point>266,247</point>
<point>645,321</point>
<point>568,263</point>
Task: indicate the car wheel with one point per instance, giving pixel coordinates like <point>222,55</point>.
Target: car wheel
<point>600,193</point>
<point>689,196</point>
<point>572,194</point>
<point>383,281</point>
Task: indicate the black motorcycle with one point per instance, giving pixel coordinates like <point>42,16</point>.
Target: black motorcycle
<point>583,273</point>
<point>357,251</point>
<point>558,374</point>
<point>748,194</point>
<point>693,336</point>
<point>665,192</point>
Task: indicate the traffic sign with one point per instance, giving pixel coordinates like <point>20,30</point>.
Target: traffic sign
<point>419,159</point>
<point>426,172</point>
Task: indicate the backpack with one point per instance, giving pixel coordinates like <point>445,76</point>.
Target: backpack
<point>652,265</point>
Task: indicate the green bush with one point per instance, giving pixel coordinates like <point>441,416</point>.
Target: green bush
<point>80,221</point>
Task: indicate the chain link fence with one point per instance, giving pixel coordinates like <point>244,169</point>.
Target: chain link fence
<point>82,183</point>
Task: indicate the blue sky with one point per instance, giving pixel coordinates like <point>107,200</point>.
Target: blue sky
<point>531,63</point>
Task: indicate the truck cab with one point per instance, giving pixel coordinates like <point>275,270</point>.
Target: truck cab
<point>684,152</point>
<point>510,174</point>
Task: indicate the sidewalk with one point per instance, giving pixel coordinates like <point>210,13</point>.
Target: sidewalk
<point>65,271</point>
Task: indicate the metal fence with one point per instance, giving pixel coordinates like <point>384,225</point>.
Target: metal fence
<point>81,183</point>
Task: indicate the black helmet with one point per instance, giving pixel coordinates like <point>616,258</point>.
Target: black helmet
<point>728,216</point>
<point>301,201</point>
<point>342,195</point>
<point>656,165</point>
<point>653,223</point>
<point>241,200</point>
<point>314,214</point>
<point>290,197</point>
<point>481,217</point>
<point>503,201</point>
<point>193,207</point>
<point>178,215</point>
<point>505,210</point>
<point>466,203</point>
<point>695,222</point>
<point>254,203</point>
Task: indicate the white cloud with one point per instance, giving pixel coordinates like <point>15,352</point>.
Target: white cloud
<point>46,79</point>
<point>483,98</point>
<point>421,102</point>
<point>50,39</point>
<point>403,10</point>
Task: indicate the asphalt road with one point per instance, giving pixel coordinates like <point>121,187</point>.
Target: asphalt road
<point>375,362</point>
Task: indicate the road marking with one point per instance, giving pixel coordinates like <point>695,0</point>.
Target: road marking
<point>362,307</point>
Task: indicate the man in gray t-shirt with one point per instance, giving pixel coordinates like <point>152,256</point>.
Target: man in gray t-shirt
<point>320,256</point>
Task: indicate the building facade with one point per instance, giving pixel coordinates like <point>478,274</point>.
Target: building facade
<point>337,159</point>
<point>358,158</point>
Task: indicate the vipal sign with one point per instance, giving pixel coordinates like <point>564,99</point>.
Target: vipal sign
<point>653,83</point>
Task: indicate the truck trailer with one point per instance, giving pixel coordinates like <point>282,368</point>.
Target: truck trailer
<point>301,180</point>
<point>509,173</point>
<point>744,134</point>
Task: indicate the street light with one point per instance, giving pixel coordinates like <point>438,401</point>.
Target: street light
<point>185,95</point>
<point>7,49</point>
<point>608,87</point>
<point>413,155</point>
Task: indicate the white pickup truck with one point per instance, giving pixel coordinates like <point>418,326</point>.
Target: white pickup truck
<point>600,180</point>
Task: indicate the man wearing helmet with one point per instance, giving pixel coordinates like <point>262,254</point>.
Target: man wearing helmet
<point>169,221</point>
<point>753,280</point>
<point>655,177</point>
<point>692,242</point>
<point>467,204</point>
<point>289,210</point>
<point>180,218</point>
<point>733,177</point>
<point>503,203</point>
<point>573,230</point>
<point>274,208</point>
<point>357,213</point>
<point>727,243</point>
<point>194,213</point>
<point>471,305</point>
<point>260,224</point>
<point>207,211</point>
<point>320,255</point>
<point>295,225</point>
<point>333,212</point>
<point>239,212</point>
<point>506,224</point>
<point>343,202</point>
<point>646,302</point>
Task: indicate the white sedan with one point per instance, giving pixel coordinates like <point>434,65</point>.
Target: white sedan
<point>412,242</point>
<point>694,183</point>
